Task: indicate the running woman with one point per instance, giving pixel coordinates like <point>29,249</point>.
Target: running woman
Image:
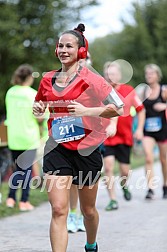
<point>155,130</point>
<point>78,101</point>
<point>119,146</point>
<point>75,220</point>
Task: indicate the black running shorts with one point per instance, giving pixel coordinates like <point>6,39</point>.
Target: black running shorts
<point>121,152</point>
<point>159,136</point>
<point>60,161</point>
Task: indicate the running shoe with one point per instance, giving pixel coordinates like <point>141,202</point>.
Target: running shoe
<point>80,224</point>
<point>127,194</point>
<point>10,202</point>
<point>165,192</point>
<point>150,194</point>
<point>72,223</point>
<point>92,250</point>
<point>112,205</point>
<point>25,206</point>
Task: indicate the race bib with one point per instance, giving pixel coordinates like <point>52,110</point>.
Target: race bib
<point>153,124</point>
<point>67,128</point>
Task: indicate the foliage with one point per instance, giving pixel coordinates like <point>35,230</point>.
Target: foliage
<point>141,43</point>
<point>29,30</point>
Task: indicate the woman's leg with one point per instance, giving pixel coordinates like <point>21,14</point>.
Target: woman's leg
<point>26,178</point>
<point>109,163</point>
<point>72,216</point>
<point>16,177</point>
<point>163,160</point>
<point>14,183</point>
<point>25,161</point>
<point>73,197</point>
<point>125,168</point>
<point>148,145</point>
<point>87,196</point>
<point>58,194</point>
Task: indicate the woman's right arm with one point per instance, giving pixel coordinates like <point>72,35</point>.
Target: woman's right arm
<point>39,108</point>
<point>39,105</point>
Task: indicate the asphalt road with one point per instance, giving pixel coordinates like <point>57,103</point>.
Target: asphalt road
<point>137,226</point>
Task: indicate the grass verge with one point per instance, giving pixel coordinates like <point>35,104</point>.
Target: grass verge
<point>36,198</point>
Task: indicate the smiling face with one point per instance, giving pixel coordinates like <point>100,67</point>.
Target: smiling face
<point>67,49</point>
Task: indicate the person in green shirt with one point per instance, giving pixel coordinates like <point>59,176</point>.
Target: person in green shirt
<point>23,134</point>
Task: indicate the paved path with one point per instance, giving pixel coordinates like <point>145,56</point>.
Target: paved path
<point>138,225</point>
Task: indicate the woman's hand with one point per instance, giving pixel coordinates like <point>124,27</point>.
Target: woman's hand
<point>38,108</point>
<point>77,109</point>
<point>108,111</point>
<point>159,106</point>
<point>138,135</point>
<point>112,128</point>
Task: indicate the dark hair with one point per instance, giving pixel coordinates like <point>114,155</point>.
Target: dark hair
<point>21,74</point>
<point>78,32</point>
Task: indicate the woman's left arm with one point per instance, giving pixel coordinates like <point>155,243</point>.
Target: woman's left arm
<point>164,92</point>
<point>108,111</point>
<point>161,106</point>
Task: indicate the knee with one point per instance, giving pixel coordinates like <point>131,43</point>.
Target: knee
<point>125,173</point>
<point>59,210</point>
<point>149,159</point>
<point>88,212</point>
<point>108,169</point>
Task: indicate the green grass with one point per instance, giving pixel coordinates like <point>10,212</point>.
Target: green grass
<point>137,161</point>
<point>36,198</point>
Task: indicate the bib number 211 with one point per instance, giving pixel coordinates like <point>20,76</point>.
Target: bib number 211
<point>65,129</point>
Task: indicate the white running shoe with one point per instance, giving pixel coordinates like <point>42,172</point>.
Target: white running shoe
<point>72,223</point>
<point>80,224</point>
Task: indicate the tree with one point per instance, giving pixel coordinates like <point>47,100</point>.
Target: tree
<point>29,30</point>
<point>141,43</point>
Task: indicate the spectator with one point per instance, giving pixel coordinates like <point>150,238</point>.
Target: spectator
<point>23,134</point>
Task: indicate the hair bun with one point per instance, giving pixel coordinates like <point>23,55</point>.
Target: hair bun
<point>80,28</point>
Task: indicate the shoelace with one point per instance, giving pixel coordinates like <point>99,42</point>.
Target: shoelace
<point>71,218</point>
